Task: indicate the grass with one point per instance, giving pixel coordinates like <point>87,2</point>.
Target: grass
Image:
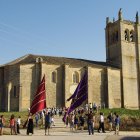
<point>7,116</point>
<point>123,112</point>
<point>130,119</point>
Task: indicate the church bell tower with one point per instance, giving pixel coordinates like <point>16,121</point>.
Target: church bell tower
<point>123,51</point>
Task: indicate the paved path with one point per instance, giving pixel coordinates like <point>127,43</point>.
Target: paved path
<point>66,135</point>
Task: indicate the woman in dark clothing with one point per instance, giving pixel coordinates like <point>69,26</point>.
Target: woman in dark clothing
<point>30,124</point>
<point>47,122</point>
<point>82,121</point>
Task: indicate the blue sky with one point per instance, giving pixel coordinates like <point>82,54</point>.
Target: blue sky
<point>66,28</point>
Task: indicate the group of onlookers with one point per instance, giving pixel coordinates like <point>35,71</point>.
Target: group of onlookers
<point>81,118</point>
<point>14,124</point>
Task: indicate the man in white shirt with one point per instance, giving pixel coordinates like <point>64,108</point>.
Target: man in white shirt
<point>101,123</point>
<point>18,124</point>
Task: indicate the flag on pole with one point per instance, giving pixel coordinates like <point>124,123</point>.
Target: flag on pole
<point>39,101</point>
<point>80,94</point>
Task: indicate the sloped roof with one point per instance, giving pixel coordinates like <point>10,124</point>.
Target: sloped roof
<point>30,58</point>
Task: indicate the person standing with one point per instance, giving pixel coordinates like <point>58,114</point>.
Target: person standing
<point>13,124</point>
<point>86,107</point>
<point>18,124</point>
<point>82,120</point>
<point>71,121</point>
<point>90,121</point>
<point>94,107</point>
<point>36,119</point>
<point>76,122</point>
<point>117,124</point>
<point>47,122</point>
<point>110,120</point>
<point>101,123</point>
<point>90,106</point>
<point>43,117</point>
<point>52,120</point>
<point>30,124</point>
<point>67,121</point>
<point>1,124</point>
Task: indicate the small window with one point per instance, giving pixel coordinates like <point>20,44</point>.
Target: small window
<point>126,35</point>
<point>132,36</point>
<point>116,36</point>
<point>54,77</point>
<point>75,77</point>
<point>15,92</point>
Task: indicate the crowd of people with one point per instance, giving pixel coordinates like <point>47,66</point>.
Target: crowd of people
<point>82,118</point>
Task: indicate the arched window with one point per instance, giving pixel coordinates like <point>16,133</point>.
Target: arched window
<point>15,91</point>
<point>75,77</point>
<point>132,36</point>
<point>54,77</point>
<point>126,35</point>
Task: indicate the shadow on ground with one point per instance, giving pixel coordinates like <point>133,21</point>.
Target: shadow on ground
<point>130,138</point>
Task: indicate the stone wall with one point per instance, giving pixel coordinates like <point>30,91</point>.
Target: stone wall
<point>114,88</point>
<point>27,85</point>
<point>11,83</point>
<point>129,70</point>
<point>96,85</point>
<point>54,91</point>
<point>104,85</point>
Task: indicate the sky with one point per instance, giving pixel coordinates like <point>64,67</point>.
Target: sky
<point>63,28</point>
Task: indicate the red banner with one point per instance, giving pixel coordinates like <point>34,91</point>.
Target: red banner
<point>39,101</point>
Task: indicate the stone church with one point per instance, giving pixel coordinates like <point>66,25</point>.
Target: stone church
<point>114,83</point>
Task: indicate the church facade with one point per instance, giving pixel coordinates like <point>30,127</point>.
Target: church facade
<point>114,83</point>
